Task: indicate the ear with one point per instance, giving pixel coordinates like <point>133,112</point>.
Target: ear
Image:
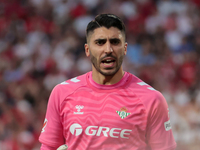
<point>87,51</point>
<point>125,48</point>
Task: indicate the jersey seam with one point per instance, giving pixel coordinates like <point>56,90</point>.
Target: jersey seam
<point>64,99</point>
<point>71,93</point>
<point>146,112</point>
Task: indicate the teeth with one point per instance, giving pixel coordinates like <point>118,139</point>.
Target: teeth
<point>108,63</point>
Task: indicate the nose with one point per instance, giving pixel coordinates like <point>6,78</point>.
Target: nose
<point>108,48</point>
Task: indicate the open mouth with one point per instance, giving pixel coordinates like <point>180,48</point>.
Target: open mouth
<point>108,62</point>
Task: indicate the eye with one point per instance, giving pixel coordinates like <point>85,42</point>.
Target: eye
<point>115,41</point>
<point>100,41</point>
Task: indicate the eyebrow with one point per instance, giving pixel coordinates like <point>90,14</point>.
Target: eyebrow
<point>105,39</point>
<point>100,39</point>
<point>114,39</point>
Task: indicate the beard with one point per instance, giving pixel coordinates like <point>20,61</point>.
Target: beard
<point>109,71</point>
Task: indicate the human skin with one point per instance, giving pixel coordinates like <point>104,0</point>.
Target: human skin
<point>106,49</point>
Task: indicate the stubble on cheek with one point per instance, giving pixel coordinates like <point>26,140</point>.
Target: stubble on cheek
<point>94,62</point>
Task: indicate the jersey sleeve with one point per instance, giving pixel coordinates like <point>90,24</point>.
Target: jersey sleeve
<point>45,147</point>
<point>52,131</point>
<point>159,132</point>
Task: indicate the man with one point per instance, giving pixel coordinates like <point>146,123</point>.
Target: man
<point>107,108</point>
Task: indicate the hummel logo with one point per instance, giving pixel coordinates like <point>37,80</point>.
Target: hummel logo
<point>79,107</point>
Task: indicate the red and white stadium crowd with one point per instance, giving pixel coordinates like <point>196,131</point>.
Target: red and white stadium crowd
<point>42,44</point>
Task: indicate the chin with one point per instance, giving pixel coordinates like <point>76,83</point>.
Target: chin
<point>108,72</point>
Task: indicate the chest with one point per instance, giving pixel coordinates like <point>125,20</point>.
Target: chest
<point>112,110</point>
<point>104,119</point>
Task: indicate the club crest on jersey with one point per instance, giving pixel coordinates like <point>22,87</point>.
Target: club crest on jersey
<point>123,113</point>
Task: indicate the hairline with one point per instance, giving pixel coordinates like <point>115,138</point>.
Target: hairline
<point>89,34</point>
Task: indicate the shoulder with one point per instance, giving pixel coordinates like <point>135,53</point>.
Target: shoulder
<point>146,93</point>
<point>64,89</point>
<point>73,83</point>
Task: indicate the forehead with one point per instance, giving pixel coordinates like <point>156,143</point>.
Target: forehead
<point>105,33</point>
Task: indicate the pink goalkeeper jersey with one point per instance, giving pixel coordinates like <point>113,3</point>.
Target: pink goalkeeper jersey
<point>129,115</point>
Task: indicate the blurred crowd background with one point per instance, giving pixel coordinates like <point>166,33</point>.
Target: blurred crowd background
<point>42,44</point>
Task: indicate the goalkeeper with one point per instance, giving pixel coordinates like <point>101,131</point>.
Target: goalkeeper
<point>107,108</point>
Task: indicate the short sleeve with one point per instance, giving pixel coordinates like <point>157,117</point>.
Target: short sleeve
<point>52,131</point>
<point>45,147</point>
<point>159,133</point>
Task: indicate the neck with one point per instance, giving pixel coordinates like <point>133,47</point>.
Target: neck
<point>107,80</point>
